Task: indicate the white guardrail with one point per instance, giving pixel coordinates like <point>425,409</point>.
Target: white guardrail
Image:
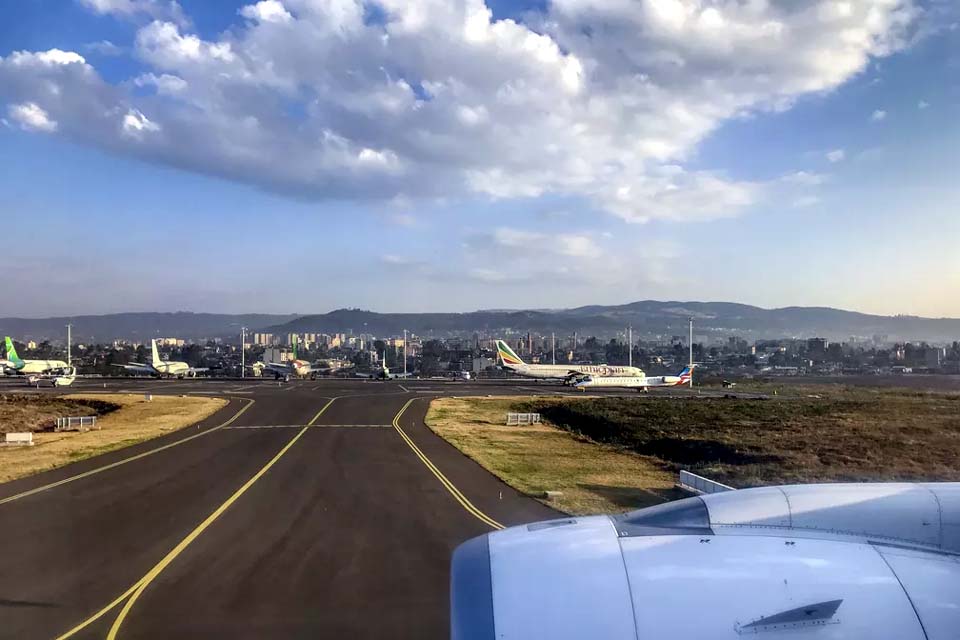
<point>81,423</point>
<point>514,419</point>
<point>699,484</point>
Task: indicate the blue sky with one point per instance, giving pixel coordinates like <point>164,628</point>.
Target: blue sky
<point>282,158</point>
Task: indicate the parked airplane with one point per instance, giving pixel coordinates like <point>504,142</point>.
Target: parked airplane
<point>567,372</point>
<point>56,377</point>
<point>160,368</point>
<point>383,373</point>
<point>635,382</point>
<point>798,562</point>
<point>293,368</point>
<point>18,366</point>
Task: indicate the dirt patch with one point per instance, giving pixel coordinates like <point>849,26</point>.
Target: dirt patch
<point>21,412</point>
<point>133,420</point>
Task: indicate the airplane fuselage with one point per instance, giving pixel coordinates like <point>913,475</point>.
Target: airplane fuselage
<point>26,367</point>
<point>562,372</point>
<point>632,382</point>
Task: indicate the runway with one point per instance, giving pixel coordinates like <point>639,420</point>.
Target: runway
<point>308,509</point>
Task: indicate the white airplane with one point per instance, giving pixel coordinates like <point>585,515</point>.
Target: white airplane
<point>797,562</point>
<point>565,372</point>
<point>13,363</point>
<point>295,368</point>
<point>57,377</point>
<point>383,373</point>
<point>160,368</point>
<point>634,382</point>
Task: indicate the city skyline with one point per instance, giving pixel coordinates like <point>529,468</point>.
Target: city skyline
<point>459,155</point>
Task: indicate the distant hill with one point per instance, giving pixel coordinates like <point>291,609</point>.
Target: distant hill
<point>138,326</point>
<point>648,318</point>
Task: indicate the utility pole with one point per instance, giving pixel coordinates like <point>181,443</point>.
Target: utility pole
<point>405,353</point>
<point>553,348</point>
<point>69,327</point>
<point>630,346</point>
<point>691,352</point>
<point>243,352</point>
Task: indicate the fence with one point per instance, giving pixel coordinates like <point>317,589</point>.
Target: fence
<point>699,484</point>
<point>522,418</point>
<point>81,423</point>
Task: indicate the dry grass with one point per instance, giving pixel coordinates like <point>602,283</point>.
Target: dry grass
<point>811,433</point>
<point>593,478</point>
<point>134,420</point>
<point>21,412</point>
<point>612,454</point>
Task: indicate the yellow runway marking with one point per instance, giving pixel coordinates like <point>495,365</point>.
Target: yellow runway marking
<point>113,465</point>
<point>459,497</point>
<point>134,592</point>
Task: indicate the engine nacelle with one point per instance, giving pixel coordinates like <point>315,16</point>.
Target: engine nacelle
<point>851,561</point>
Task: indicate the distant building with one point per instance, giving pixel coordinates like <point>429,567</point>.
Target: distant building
<point>263,339</point>
<point>31,345</point>
<point>817,345</point>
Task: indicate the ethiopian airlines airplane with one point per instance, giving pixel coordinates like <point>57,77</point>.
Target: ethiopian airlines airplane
<point>641,383</point>
<point>568,372</point>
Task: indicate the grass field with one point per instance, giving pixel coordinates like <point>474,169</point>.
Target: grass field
<point>537,458</point>
<point>808,433</point>
<point>126,420</point>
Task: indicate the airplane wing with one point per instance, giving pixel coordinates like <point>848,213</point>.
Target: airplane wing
<point>198,369</point>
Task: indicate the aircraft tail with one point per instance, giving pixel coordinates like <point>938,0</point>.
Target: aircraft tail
<point>687,374</point>
<point>11,351</point>
<point>155,355</point>
<point>507,356</point>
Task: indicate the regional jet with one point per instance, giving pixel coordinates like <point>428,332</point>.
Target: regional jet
<point>640,383</point>
<point>295,368</point>
<point>796,562</point>
<point>160,368</point>
<point>568,373</point>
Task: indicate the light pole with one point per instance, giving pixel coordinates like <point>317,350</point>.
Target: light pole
<point>691,352</point>
<point>243,352</point>
<point>69,327</point>
<point>630,346</point>
<point>405,352</point>
<point>553,348</point>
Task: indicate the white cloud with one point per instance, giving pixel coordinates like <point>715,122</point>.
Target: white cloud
<point>266,11</point>
<point>161,9</point>
<point>31,117</point>
<point>104,48</point>
<point>923,104</point>
<point>604,101</point>
<point>164,83</point>
<point>806,201</point>
<point>835,155</point>
<point>805,178</point>
<point>135,124</point>
<point>878,115</point>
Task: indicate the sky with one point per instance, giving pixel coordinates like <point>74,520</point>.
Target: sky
<point>299,156</point>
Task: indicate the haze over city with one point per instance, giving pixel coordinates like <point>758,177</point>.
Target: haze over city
<point>449,156</point>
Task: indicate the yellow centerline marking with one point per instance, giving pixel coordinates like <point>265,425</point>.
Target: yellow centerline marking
<point>113,465</point>
<point>134,592</point>
<point>459,497</point>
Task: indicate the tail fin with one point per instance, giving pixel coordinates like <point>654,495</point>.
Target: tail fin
<point>156,353</point>
<point>384,363</point>
<point>686,374</point>
<point>507,356</point>
<point>11,351</point>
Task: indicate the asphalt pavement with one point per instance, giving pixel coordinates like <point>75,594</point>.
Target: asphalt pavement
<point>308,509</point>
